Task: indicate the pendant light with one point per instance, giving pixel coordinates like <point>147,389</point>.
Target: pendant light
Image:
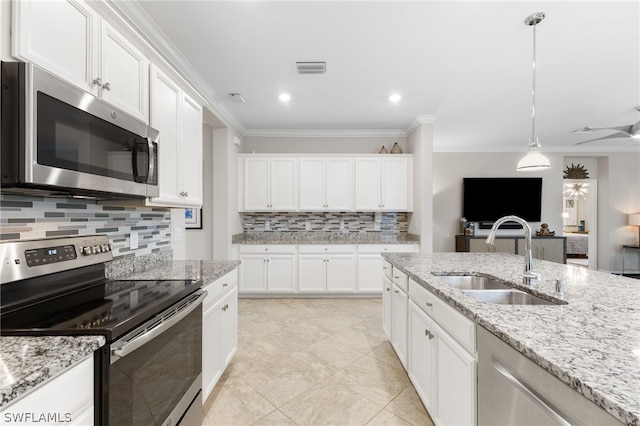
<point>534,160</point>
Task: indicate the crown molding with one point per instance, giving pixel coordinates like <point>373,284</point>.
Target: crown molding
<point>138,18</point>
<point>281,133</point>
<point>566,149</point>
<point>420,120</point>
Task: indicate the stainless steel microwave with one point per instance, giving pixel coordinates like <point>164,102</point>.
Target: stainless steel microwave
<point>58,139</point>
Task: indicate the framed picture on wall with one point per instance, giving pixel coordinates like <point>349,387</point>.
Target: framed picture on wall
<point>193,218</point>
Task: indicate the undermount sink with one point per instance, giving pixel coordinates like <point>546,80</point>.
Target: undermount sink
<point>490,290</point>
<point>472,282</point>
<point>507,297</point>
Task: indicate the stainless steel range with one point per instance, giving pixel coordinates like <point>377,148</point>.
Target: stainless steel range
<point>149,371</point>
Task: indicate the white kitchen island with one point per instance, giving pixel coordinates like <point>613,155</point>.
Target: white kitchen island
<point>591,343</point>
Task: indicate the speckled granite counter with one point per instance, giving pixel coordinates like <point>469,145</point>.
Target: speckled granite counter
<point>205,270</point>
<point>325,238</point>
<point>30,361</point>
<point>592,343</point>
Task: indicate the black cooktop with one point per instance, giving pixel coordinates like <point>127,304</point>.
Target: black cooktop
<point>109,308</point>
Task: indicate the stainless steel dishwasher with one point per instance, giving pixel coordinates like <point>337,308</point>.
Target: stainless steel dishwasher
<point>512,390</point>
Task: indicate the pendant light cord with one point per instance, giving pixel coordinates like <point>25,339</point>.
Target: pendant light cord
<point>533,93</point>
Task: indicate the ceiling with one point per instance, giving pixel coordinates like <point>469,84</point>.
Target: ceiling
<point>466,64</point>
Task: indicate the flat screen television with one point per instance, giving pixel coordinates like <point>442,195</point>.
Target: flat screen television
<point>487,199</point>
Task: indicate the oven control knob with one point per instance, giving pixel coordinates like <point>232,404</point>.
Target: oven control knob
<point>105,247</point>
<point>97,249</point>
<point>86,250</point>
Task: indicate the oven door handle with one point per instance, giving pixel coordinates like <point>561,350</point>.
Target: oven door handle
<point>155,327</point>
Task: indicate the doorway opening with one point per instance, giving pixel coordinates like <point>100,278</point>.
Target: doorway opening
<point>580,221</point>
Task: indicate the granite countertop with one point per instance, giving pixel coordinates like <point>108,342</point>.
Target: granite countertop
<point>592,343</point>
<point>30,361</point>
<point>278,237</point>
<point>205,270</point>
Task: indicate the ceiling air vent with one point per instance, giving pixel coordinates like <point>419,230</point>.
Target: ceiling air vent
<point>237,98</point>
<point>311,67</point>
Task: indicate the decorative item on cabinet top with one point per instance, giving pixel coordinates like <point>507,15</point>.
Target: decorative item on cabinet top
<point>383,150</point>
<point>544,231</point>
<point>395,149</point>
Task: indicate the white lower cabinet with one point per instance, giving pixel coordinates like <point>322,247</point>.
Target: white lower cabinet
<point>329,269</point>
<point>370,262</point>
<point>387,307</point>
<point>219,329</point>
<point>268,269</point>
<point>399,338</point>
<point>69,396</point>
<point>441,352</point>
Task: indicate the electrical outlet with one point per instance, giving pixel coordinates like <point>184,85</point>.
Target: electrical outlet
<point>342,225</point>
<point>376,226</point>
<point>267,225</point>
<point>133,240</point>
<point>177,234</point>
<point>307,226</point>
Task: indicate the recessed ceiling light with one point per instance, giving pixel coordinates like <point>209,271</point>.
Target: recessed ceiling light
<point>284,97</point>
<point>395,97</point>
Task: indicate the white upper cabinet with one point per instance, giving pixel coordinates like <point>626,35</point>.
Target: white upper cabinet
<point>178,118</point>
<point>269,184</point>
<point>69,39</point>
<point>124,72</point>
<point>384,184</point>
<point>326,184</point>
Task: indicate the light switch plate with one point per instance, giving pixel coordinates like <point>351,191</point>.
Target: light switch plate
<point>177,234</point>
<point>133,240</point>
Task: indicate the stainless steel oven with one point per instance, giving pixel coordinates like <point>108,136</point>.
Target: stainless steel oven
<point>58,138</point>
<point>149,372</point>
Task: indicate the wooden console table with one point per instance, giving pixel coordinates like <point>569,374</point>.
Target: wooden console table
<point>553,249</point>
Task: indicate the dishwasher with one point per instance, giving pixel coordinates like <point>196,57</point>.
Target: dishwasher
<point>513,390</point>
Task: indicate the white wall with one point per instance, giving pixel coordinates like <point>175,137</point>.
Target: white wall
<point>199,242</point>
<point>420,144</point>
<point>226,220</point>
<point>450,168</point>
<point>320,145</point>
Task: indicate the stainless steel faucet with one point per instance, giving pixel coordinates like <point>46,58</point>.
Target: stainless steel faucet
<point>528,277</point>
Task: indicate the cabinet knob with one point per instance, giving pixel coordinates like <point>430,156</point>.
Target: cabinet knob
<point>225,284</point>
<point>397,291</point>
<point>97,81</point>
<point>107,86</point>
<point>428,334</point>
<point>429,304</point>
<point>388,289</point>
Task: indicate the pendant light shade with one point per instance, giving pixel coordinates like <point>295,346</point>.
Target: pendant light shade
<point>534,160</point>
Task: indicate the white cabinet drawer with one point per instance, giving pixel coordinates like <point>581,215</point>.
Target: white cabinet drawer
<point>220,286</point>
<point>329,248</point>
<point>387,269</point>
<point>461,328</point>
<point>400,279</point>
<point>275,248</point>
<point>388,248</point>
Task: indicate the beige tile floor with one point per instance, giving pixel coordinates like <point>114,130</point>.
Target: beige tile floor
<point>313,362</point>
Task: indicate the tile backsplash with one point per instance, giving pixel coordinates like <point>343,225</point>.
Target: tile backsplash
<point>324,222</point>
<point>23,218</point>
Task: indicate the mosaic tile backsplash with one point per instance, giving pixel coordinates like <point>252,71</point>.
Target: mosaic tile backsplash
<point>324,222</point>
<point>25,218</point>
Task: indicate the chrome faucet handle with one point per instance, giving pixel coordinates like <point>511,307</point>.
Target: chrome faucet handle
<point>530,277</point>
<point>560,287</point>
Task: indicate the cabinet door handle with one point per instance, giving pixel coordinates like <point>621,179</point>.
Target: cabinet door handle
<point>429,304</point>
<point>97,81</point>
<point>388,289</point>
<point>107,86</point>
<point>397,291</point>
<point>428,334</point>
<point>225,284</point>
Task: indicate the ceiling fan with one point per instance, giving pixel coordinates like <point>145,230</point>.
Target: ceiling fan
<point>631,130</point>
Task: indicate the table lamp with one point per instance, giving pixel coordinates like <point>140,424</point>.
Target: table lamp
<point>634,220</point>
